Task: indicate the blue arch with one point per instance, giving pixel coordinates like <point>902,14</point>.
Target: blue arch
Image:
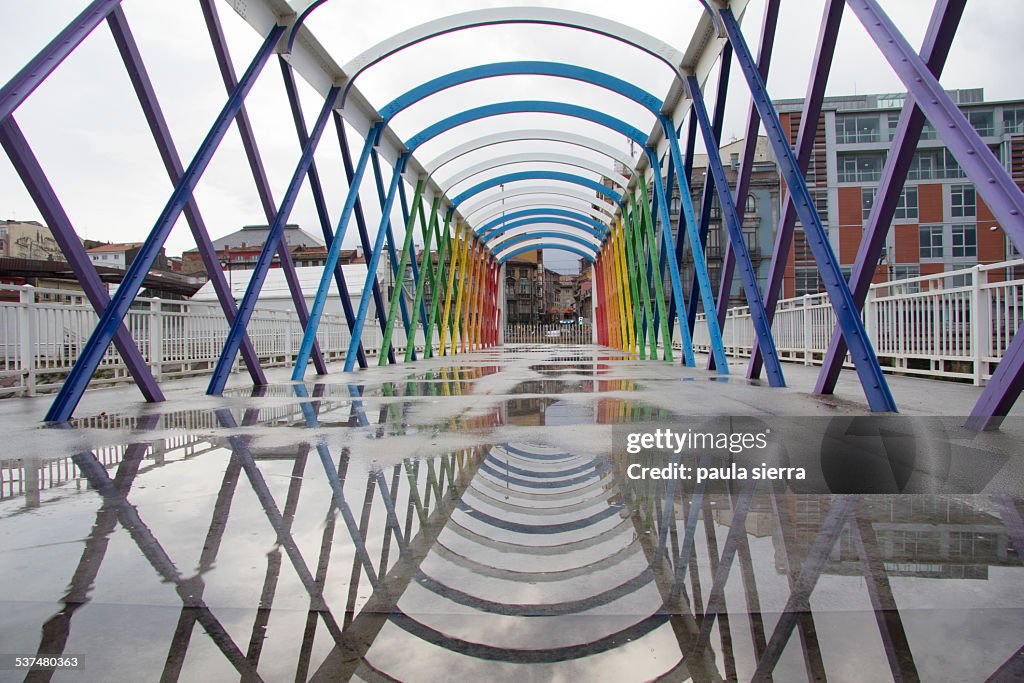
<point>536,175</point>
<point>526,107</point>
<point>546,245</point>
<point>522,68</point>
<point>599,234</point>
<point>525,213</point>
<point>546,234</point>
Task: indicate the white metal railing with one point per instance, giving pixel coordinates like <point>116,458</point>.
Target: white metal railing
<point>548,333</point>
<point>955,324</point>
<point>42,332</point>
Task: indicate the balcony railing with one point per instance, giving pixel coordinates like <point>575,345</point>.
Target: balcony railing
<point>42,332</point>
<point>955,325</point>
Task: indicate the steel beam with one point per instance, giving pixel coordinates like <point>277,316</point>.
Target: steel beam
<point>78,379</point>
<point>45,199</point>
<point>259,174</point>
<point>813,100</point>
<point>361,229</point>
<point>143,86</point>
<point>316,187</point>
<point>764,55</point>
<point>937,41</point>
<point>270,245</point>
<point>50,57</point>
<point>762,326</point>
<point>320,300</point>
<point>371,264</point>
<point>876,389</point>
<point>708,191</point>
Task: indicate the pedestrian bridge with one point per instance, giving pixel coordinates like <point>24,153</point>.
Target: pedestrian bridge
<point>409,489</point>
<point>483,198</point>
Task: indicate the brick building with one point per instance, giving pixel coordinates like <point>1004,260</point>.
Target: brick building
<point>524,288</point>
<point>240,249</point>
<point>941,223</point>
<point>760,217</point>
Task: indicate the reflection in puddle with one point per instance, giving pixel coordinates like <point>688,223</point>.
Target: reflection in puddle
<point>212,559</point>
<point>507,562</point>
<point>573,386</point>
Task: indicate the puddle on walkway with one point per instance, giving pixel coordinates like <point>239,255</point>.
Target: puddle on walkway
<point>199,558</point>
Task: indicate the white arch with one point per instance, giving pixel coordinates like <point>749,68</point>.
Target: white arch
<point>495,244</point>
<point>531,135</point>
<point>563,189</point>
<point>543,203</point>
<point>540,157</point>
<point>514,15</point>
<point>543,241</point>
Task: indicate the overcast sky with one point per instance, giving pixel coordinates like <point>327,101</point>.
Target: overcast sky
<point>87,129</point>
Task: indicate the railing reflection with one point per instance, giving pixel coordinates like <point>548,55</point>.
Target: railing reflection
<point>521,561</point>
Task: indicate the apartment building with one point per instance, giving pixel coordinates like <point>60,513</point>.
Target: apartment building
<point>941,223</point>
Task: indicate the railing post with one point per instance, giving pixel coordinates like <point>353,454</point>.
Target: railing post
<point>27,338</point>
<point>870,312</point>
<point>808,332</point>
<point>981,326</point>
<point>156,339</point>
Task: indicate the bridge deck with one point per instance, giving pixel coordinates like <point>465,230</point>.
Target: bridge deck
<point>472,520</point>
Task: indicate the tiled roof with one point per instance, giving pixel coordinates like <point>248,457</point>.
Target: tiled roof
<point>256,235</point>
<point>115,247</point>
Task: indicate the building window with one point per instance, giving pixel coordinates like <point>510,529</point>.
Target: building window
<point>751,207</point>
<point>891,101</point>
<point>904,272</point>
<point>821,203</point>
<point>713,245</point>
<point>716,209</point>
<point>963,201</point>
<point>674,206</point>
<point>867,202</point>
<point>893,121</point>
<point>934,164</point>
<point>750,237</point>
<point>1013,120</point>
<point>862,167</point>
<point>857,128</point>
<point>965,240</point>
<point>807,281</point>
<point>931,241</point>
<point>983,121</point>
<point>907,205</point>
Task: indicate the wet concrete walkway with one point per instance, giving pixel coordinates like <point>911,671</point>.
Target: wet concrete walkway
<point>470,519</point>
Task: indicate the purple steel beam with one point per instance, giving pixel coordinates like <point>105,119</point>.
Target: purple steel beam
<point>897,647</point>
<point>1002,389</point>
<point>132,59</point>
<point>708,191</point>
<point>31,173</point>
<point>994,184</point>
<point>88,361</point>
<point>822,64</point>
<point>316,187</point>
<point>50,57</point>
<point>764,58</point>
<point>935,48</point>
<point>227,71</point>
<point>798,603</point>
